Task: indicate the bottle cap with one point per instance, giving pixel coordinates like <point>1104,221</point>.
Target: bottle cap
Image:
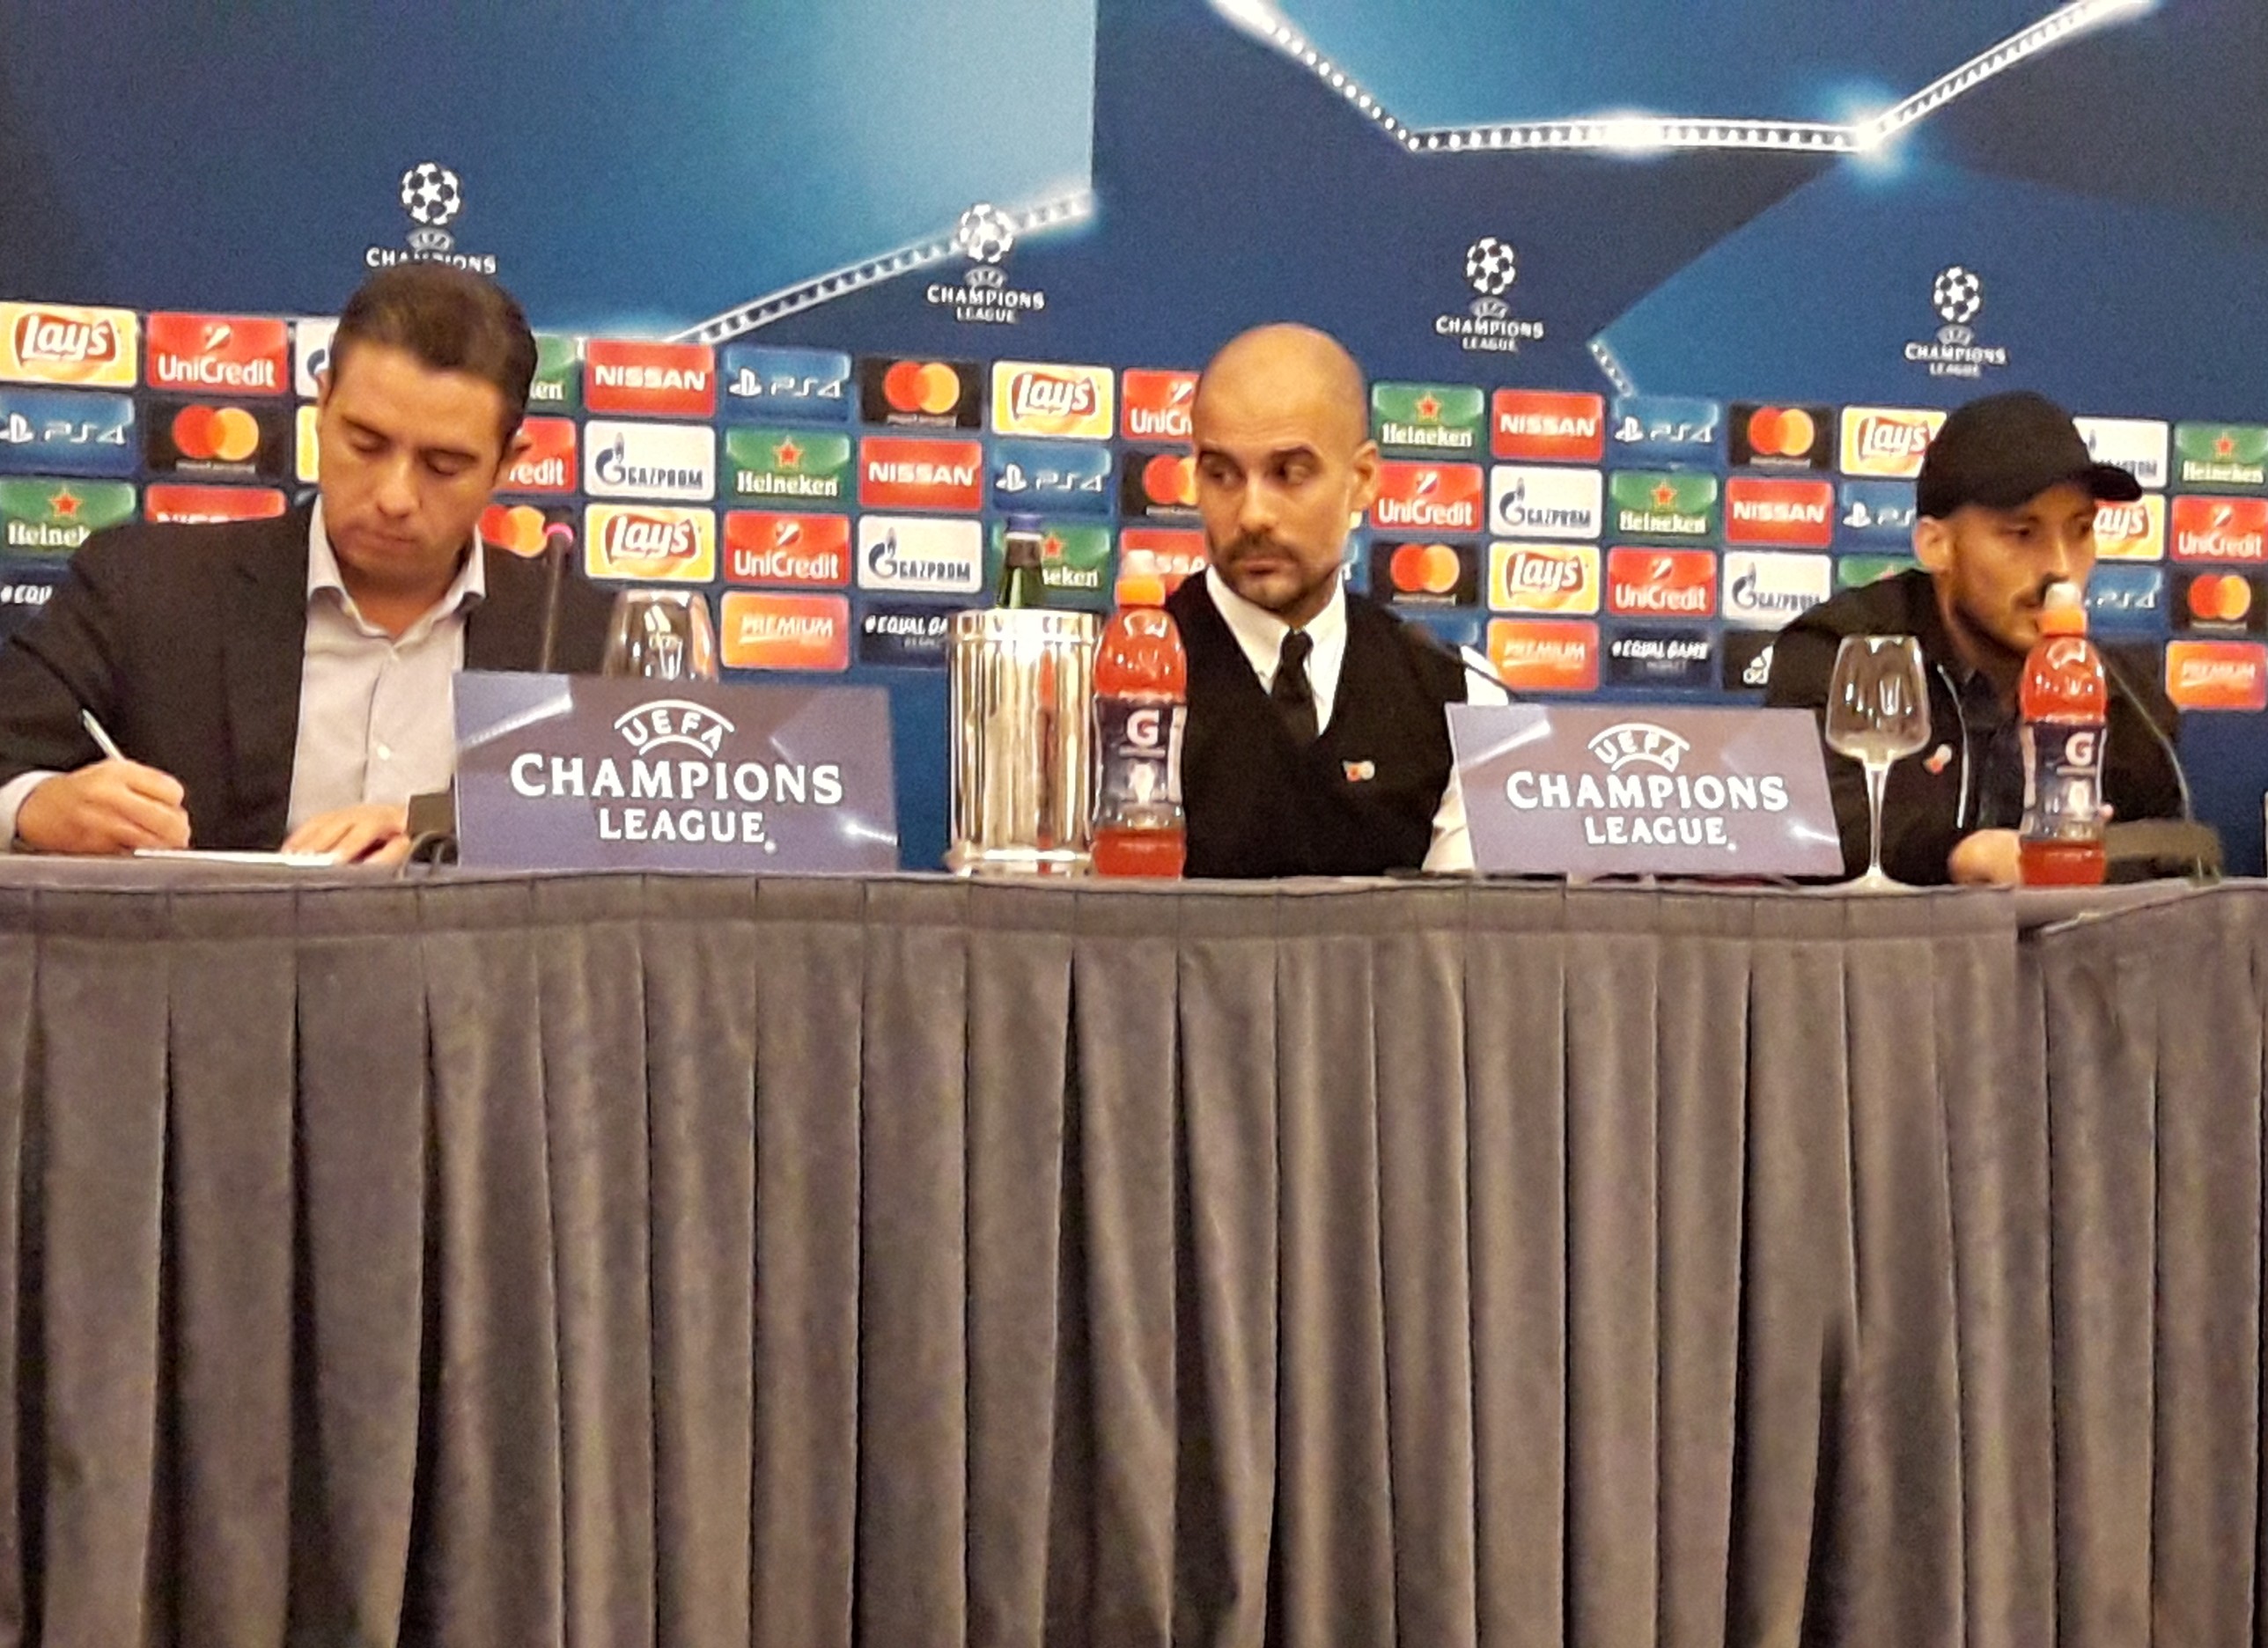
<point>1139,582</point>
<point>2063,611</point>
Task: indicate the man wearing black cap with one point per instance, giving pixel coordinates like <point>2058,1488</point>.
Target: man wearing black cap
<point>2005,507</point>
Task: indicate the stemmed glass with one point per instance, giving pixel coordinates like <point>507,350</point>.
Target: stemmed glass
<point>1877,714</point>
<point>662,635</point>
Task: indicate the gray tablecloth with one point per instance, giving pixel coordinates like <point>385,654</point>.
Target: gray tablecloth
<point>611,1260</point>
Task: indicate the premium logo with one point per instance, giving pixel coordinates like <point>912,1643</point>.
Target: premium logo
<point>1544,654</point>
<point>527,530</point>
<point>1676,427</point>
<point>1536,578</point>
<point>1525,502</point>
<point>788,465</point>
<point>1746,665</point>
<point>557,386</point>
<point>1041,476</point>
<point>808,386</point>
<point>1782,437</point>
<point>1424,574</point>
<point>919,393</point>
<point>650,379</point>
<point>2126,596</point>
<point>77,433</point>
<point>1538,425</point>
<point>1424,497</point>
<point>1176,554</point>
<point>1680,659</point>
<point>246,443</point>
<point>549,465</point>
<point>1887,442</point>
<point>1881,511</point>
<point>676,462</point>
<point>1158,486</point>
<point>784,632</point>
<point>1059,402</point>
<point>805,551</point>
<point>1800,513</point>
<point>2132,531</point>
<point>2136,446</point>
<point>311,356</point>
<point>1488,325</point>
<point>1661,583</point>
<point>1854,571</point>
<point>899,635</point>
<point>1765,591</point>
<point>234,354</point>
<point>2219,529</point>
<point>1957,297</point>
<point>1075,565</point>
<point>2222,454</point>
<point>650,543</point>
<point>2219,600</point>
<point>1664,504</point>
<point>922,555</point>
<point>51,343</point>
<point>191,504</point>
<point>432,197</point>
<point>43,515</point>
<point>1442,419</point>
<point>2217,674</point>
<point>1156,404</point>
<point>920,474</point>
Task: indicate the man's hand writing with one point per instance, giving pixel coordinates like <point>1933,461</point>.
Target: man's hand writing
<point>113,806</point>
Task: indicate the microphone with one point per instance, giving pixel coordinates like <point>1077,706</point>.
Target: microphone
<point>556,537</point>
<point>2156,846</point>
<point>2173,756</point>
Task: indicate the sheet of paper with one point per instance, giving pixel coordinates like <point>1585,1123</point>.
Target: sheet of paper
<point>191,855</point>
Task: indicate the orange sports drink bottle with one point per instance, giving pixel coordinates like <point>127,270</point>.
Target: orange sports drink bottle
<point>1141,703</point>
<point>2064,702</point>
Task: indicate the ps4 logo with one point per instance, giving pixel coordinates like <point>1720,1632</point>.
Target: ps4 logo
<point>1666,426</point>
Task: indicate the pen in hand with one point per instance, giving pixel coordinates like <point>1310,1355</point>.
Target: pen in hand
<point>96,730</point>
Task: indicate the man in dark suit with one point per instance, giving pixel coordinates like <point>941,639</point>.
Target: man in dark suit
<point>1316,742</point>
<point>287,682</point>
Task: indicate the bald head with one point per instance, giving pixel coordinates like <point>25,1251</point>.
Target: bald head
<point>1284,465</point>
<point>1287,367</point>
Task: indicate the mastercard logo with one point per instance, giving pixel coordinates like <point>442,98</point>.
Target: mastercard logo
<point>521,528</point>
<point>931,387</point>
<point>1426,569</point>
<point>1170,481</point>
<point>1782,432</point>
<point>2219,598</point>
<point>215,434</point>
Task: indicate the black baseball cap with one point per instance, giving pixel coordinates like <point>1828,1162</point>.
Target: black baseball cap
<point>2005,450</point>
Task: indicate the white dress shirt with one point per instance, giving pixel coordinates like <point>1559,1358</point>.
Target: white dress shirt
<point>1260,634</point>
<point>377,714</point>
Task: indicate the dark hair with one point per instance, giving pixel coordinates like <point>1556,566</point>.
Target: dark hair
<point>448,319</point>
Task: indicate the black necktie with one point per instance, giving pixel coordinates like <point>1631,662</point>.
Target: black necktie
<point>1293,696</point>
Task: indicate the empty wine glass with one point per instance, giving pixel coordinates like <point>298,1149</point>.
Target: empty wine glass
<point>1877,714</point>
<point>662,635</point>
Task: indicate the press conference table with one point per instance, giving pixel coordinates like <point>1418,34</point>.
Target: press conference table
<point>606,1260</point>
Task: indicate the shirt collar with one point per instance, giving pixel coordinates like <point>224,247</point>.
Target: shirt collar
<point>469,588</point>
<point>1261,633</point>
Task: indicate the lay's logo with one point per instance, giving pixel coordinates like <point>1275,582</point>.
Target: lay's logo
<point>51,343</point>
<point>1064,402</point>
<point>1543,577</point>
<point>1887,442</point>
<point>2132,531</point>
<point>650,543</point>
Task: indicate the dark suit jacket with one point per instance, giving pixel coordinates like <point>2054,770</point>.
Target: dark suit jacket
<point>187,643</point>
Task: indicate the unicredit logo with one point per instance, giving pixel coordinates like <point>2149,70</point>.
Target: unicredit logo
<point>204,370</point>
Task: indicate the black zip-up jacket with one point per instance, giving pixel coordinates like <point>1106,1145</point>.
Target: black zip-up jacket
<point>1925,812</point>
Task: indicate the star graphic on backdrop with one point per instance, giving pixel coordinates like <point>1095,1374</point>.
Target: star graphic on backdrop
<point>1664,496</point>
<point>1428,408</point>
<point>2224,445</point>
<point>787,454</point>
<point>1051,548</point>
<point>64,505</point>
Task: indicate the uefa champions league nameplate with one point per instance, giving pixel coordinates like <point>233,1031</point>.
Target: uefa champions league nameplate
<point>1644,789</point>
<point>589,772</point>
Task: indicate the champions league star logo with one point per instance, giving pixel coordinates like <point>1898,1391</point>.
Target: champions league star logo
<point>1492,266</point>
<point>433,198</point>
<point>984,234</point>
<point>1958,295</point>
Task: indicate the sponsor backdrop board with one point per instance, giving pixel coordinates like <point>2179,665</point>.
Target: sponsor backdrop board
<point>959,263</point>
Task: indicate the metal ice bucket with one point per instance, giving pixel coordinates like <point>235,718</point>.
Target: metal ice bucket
<point>1023,697</point>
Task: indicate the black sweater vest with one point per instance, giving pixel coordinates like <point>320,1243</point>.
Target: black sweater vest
<point>1361,800</point>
